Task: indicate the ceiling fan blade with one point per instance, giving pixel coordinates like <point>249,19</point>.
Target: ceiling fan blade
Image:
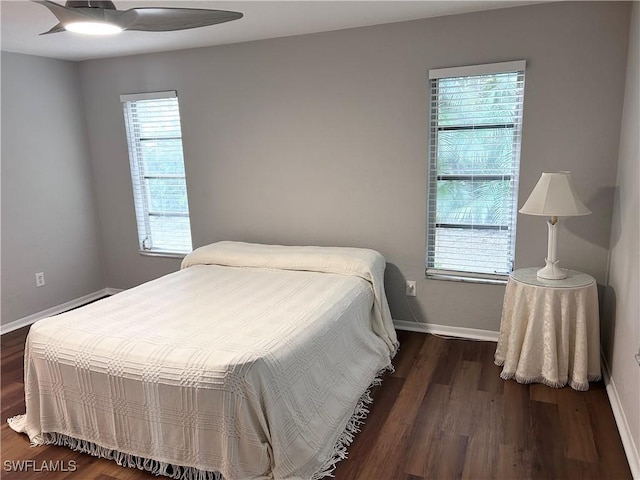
<point>60,11</point>
<point>67,14</point>
<point>168,19</point>
<point>58,27</point>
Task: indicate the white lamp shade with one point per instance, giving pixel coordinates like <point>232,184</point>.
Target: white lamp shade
<point>554,196</point>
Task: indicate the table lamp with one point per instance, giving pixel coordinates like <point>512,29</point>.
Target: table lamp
<point>554,196</point>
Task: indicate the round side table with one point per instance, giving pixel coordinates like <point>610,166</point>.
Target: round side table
<point>550,330</point>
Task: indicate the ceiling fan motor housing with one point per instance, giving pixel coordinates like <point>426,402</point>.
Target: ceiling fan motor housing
<point>90,4</point>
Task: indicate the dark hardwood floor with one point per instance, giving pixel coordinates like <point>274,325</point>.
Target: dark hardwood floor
<point>443,414</point>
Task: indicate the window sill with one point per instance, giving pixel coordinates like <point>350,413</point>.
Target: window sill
<point>148,253</point>
<point>466,279</point>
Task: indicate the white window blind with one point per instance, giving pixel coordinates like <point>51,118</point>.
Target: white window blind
<point>475,130</point>
<point>154,137</point>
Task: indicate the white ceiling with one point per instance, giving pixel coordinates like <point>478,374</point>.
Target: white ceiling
<point>21,21</point>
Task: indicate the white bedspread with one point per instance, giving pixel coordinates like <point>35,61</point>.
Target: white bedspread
<point>248,368</point>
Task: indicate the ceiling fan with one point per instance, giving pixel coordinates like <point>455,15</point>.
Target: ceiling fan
<point>102,18</point>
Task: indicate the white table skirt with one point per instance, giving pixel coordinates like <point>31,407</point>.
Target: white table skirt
<point>550,335</point>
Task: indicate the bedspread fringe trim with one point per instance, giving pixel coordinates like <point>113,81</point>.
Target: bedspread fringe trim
<point>125,460</point>
<point>352,428</point>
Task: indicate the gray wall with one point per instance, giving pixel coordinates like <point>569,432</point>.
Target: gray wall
<point>48,213</point>
<point>321,139</point>
<point>621,323</point>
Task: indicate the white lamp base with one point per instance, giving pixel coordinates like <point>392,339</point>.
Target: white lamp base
<point>551,271</point>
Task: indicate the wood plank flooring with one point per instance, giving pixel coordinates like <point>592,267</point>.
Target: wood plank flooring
<point>443,414</point>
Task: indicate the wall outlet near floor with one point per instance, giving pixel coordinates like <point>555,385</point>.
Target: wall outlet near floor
<point>410,288</point>
<point>40,279</point>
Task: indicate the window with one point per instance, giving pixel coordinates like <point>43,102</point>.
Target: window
<point>474,157</point>
<point>157,171</point>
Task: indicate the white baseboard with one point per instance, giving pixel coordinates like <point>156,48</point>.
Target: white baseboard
<point>23,322</point>
<point>630,448</point>
<point>461,332</point>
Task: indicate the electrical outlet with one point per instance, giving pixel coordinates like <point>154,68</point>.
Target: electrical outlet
<point>410,288</point>
<point>40,280</point>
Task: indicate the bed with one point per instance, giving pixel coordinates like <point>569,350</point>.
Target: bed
<point>250,362</point>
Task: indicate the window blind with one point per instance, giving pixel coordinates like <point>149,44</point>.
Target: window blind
<point>475,130</point>
<point>154,137</point>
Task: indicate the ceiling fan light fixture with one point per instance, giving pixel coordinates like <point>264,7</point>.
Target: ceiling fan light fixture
<point>93,28</point>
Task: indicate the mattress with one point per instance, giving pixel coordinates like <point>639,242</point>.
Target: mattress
<point>250,362</point>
